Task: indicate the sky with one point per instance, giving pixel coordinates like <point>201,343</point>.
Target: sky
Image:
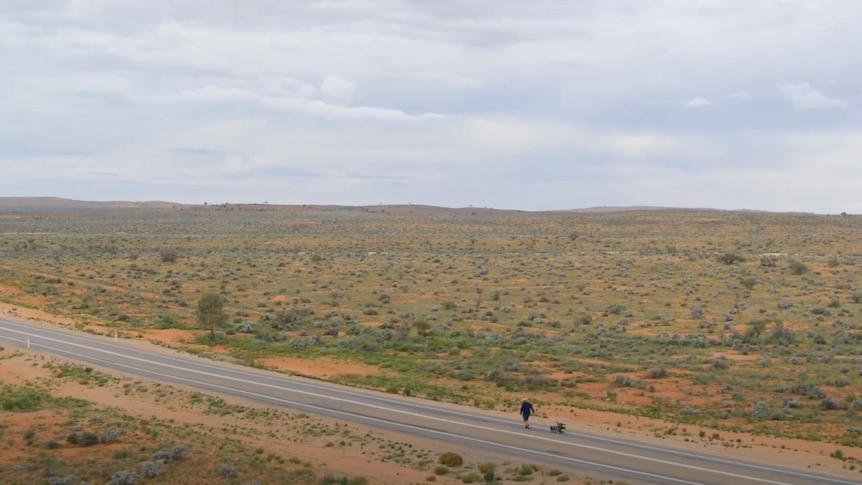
<point>508,104</point>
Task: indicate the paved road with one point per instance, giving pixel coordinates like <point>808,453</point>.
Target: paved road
<point>579,454</point>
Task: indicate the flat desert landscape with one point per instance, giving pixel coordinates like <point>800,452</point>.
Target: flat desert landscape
<point>736,332</point>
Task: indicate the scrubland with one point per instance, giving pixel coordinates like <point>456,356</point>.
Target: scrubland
<point>731,322</point>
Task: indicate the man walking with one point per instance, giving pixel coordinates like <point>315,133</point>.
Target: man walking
<point>526,411</point>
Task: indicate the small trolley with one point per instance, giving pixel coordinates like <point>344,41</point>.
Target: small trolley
<point>559,427</point>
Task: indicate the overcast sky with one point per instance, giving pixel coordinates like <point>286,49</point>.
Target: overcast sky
<point>510,104</point>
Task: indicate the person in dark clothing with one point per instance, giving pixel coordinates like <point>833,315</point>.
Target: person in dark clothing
<point>526,411</point>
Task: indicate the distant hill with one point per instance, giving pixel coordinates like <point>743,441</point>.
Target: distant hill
<point>60,203</point>
<point>626,208</point>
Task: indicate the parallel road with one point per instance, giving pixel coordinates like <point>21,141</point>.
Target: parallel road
<point>578,454</point>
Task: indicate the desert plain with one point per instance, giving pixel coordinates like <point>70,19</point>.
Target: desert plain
<point>730,330</point>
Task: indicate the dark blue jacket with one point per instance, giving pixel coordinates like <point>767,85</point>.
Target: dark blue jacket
<point>527,409</point>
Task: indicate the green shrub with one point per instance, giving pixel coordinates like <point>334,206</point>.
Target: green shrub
<point>470,478</point>
<point>730,258</point>
<point>150,469</point>
<point>760,411</point>
<point>797,267</point>
<point>450,459</point>
<point>122,478</point>
<point>623,381</point>
<point>748,282</point>
<point>168,256</point>
<point>21,399</point>
<point>330,480</point>
<point>656,373</point>
<point>227,471</point>
<point>87,438</point>
<point>67,480</point>
<point>111,435</point>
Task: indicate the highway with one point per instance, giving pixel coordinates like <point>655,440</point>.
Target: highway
<point>577,453</point>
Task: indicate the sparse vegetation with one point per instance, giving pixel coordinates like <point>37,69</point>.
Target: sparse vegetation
<point>128,451</point>
<point>640,313</point>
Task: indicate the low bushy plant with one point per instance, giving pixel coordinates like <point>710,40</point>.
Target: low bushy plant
<point>450,459</point>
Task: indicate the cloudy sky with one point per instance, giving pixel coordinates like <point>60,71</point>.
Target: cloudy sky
<point>511,104</point>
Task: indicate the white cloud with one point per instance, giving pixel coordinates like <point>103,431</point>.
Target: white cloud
<point>337,90</point>
<point>448,78</point>
<point>640,145</point>
<point>833,154</point>
<point>803,96</point>
<point>507,134</point>
<point>298,105</point>
<point>698,102</point>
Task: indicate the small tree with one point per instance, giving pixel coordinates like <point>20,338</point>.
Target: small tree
<point>210,312</point>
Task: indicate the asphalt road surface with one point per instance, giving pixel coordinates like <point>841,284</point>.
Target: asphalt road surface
<point>456,428</point>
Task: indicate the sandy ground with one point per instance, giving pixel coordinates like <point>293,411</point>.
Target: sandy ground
<point>798,454</point>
